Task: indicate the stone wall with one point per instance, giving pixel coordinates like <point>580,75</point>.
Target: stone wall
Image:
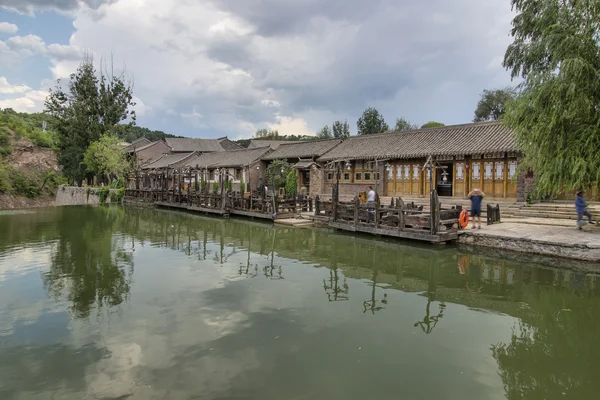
<point>76,196</point>
<point>316,181</point>
<point>525,185</point>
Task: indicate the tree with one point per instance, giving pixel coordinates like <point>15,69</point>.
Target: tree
<point>267,134</point>
<point>325,133</point>
<point>371,122</point>
<point>277,173</point>
<point>403,125</point>
<point>432,124</point>
<point>341,130</point>
<point>556,115</point>
<point>91,106</point>
<point>291,184</point>
<point>492,104</point>
<point>105,158</point>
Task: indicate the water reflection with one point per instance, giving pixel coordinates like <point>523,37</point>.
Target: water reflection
<point>207,310</point>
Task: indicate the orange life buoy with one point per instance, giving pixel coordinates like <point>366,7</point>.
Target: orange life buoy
<point>463,219</point>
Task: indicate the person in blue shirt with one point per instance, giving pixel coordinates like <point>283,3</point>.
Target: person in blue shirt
<point>581,208</point>
<point>476,197</point>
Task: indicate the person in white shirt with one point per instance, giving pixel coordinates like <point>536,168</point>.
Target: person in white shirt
<point>371,198</point>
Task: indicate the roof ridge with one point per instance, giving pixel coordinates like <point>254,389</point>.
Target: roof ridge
<point>468,124</point>
<point>312,141</point>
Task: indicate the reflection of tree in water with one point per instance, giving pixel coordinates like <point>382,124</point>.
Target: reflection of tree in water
<point>89,263</point>
<point>555,351</point>
<point>273,271</point>
<point>371,304</point>
<point>334,291</point>
<point>429,322</point>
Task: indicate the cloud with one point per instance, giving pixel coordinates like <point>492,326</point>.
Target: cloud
<point>230,67</point>
<point>7,88</point>
<point>6,27</point>
<point>30,101</point>
<point>64,52</point>
<point>29,44</point>
<point>30,6</point>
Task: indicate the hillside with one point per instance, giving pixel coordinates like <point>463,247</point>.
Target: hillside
<point>29,172</point>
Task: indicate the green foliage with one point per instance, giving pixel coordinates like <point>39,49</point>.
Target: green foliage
<point>215,187</point>
<point>228,184</point>
<point>117,195</point>
<point>87,194</point>
<point>203,185</point>
<point>341,130</point>
<point>25,125</point>
<point>267,134</point>
<point>325,133</point>
<point>403,125</point>
<point>91,107</point>
<point>371,122</point>
<point>277,173</point>
<point>103,194</point>
<point>31,184</point>
<point>291,184</point>
<point>242,186</point>
<point>492,105</point>
<point>556,50</point>
<point>105,157</point>
<point>432,124</point>
<point>129,133</point>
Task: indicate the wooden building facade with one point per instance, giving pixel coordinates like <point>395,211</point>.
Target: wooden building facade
<point>480,155</point>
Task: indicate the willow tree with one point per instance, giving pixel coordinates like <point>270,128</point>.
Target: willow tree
<point>556,50</point>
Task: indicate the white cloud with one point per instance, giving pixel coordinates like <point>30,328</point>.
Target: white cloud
<point>30,43</point>
<point>6,27</point>
<point>31,101</point>
<point>7,88</point>
<point>225,67</point>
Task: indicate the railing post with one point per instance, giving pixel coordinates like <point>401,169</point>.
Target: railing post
<point>317,205</point>
<point>377,204</point>
<point>356,210</point>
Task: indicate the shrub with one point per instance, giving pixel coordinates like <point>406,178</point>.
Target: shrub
<point>242,186</point>
<point>291,184</point>
<point>215,187</point>
<point>103,195</point>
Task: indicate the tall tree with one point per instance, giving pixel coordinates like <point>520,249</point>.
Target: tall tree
<point>556,50</point>
<point>325,133</point>
<point>341,130</point>
<point>492,104</point>
<point>91,105</point>
<point>403,125</point>
<point>371,122</point>
<point>267,134</point>
<point>432,124</point>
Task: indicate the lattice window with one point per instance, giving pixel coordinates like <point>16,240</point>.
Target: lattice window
<point>512,169</point>
<point>488,170</point>
<point>499,173</point>
<point>460,171</point>
<point>476,172</point>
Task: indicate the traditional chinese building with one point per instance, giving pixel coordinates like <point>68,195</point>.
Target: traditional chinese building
<point>478,155</point>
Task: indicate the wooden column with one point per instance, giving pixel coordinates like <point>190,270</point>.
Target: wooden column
<point>356,210</point>
<point>505,176</point>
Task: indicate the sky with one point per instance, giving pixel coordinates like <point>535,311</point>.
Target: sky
<point>212,68</point>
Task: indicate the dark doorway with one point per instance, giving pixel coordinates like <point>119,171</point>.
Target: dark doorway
<point>444,186</point>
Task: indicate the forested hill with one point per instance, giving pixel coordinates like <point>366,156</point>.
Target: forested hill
<point>130,133</point>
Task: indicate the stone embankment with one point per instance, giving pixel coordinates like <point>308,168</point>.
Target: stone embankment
<point>76,196</point>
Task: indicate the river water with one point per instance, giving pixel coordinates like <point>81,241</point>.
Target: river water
<point>131,303</point>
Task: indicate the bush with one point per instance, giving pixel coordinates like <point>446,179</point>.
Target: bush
<point>5,186</point>
<point>215,187</point>
<point>117,195</point>
<point>291,184</point>
<point>242,186</point>
<point>103,195</point>
<point>24,185</point>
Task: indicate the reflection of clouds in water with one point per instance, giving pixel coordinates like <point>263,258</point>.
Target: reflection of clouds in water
<point>22,261</point>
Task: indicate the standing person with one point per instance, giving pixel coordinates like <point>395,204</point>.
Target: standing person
<point>371,198</point>
<point>581,208</point>
<point>476,197</point>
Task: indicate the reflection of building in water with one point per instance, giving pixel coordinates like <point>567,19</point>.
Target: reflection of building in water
<point>334,291</point>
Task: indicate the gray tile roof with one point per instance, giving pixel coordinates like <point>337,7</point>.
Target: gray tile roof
<point>274,144</point>
<point>478,138</point>
<point>234,158</point>
<point>306,149</point>
<point>229,145</point>
<point>168,160</point>
<point>303,164</point>
<point>179,145</point>
<point>147,145</point>
<point>136,144</point>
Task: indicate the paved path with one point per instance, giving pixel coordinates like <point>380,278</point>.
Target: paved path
<point>562,235</point>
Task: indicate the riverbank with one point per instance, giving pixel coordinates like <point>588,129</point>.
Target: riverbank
<point>556,240</point>
<point>10,202</point>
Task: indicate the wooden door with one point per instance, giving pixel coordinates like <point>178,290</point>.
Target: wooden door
<point>415,183</point>
<point>499,179</point>
<point>391,182</point>
<point>476,176</point>
<point>458,184</point>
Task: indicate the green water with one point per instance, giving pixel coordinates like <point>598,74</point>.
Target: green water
<point>112,303</point>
